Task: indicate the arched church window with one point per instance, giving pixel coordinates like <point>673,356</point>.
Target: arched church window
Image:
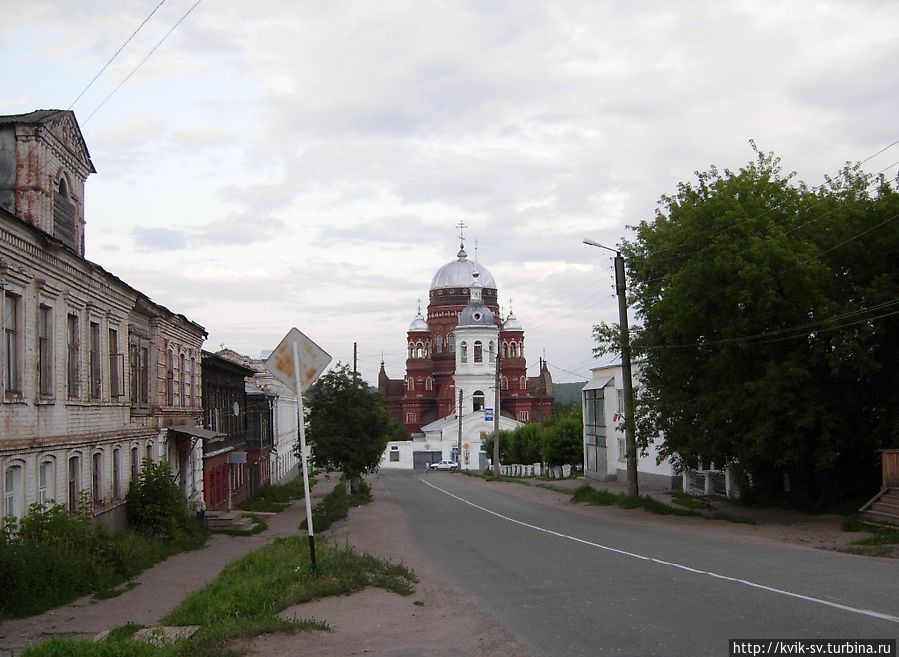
<point>64,215</point>
<point>429,384</point>
<point>451,343</point>
<point>478,352</point>
<point>491,348</point>
<point>411,350</point>
<point>504,383</point>
<point>438,343</point>
<point>464,351</point>
<point>505,350</point>
<point>523,383</point>
<point>410,384</point>
<point>478,400</point>
<point>419,350</point>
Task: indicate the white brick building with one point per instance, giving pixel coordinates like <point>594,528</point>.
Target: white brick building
<point>94,376</point>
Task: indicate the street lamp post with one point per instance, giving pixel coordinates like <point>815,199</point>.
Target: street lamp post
<point>630,445</point>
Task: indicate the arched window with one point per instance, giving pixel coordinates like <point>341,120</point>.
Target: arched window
<point>411,350</point>
<point>117,474</point>
<point>504,383</point>
<point>438,343</point>
<point>523,383</point>
<point>97,478</point>
<point>451,343</point>
<point>419,350</point>
<point>464,352</point>
<point>505,349</point>
<point>74,482</point>
<point>13,492</point>
<point>429,384</point>
<point>46,481</point>
<point>150,452</point>
<point>492,349</point>
<point>478,351</point>
<point>64,215</point>
<point>410,384</point>
<point>135,463</point>
<point>478,400</point>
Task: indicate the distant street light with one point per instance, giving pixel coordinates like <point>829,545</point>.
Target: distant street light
<point>630,444</point>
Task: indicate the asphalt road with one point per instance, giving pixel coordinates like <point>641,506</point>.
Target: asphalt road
<point>571,585</point>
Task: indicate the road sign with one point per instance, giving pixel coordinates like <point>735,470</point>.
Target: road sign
<point>313,360</point>
<point>488,415</point>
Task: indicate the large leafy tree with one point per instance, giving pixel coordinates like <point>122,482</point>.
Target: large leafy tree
<point>348,424</point>
<point>764,334</point>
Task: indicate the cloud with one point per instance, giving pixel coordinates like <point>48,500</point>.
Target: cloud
<point>236,229</point>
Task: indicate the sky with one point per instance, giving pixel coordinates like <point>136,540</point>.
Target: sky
<point>277,164</point>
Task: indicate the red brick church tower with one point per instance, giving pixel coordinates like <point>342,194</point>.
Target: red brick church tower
<point>427,392</point>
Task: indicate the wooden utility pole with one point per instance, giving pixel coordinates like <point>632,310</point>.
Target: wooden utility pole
<point>630,444</point>
<point>459,446</point>
<point>496,416</point>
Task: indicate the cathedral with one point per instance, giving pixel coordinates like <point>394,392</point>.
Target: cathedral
<point>451,363</point>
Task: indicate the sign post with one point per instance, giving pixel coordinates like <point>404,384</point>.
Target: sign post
<point>297,362</point>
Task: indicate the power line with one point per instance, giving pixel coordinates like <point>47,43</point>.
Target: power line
<point>148,55</point>
<point>116,54</point>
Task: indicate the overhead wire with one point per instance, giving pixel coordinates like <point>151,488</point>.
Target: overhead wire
<point>141,63</point>
<point>116,54</point>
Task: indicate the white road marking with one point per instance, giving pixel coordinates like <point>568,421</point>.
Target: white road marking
<point>746,582</point>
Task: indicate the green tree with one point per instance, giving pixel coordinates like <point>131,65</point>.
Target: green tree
<point>487,445</point>
<point>763,332</point>
<point>348,424</point>
<point>523,444</point>
<point>563,441</point>
<point>155,507</point>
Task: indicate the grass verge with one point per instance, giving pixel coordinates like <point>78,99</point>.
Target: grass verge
<point>336,505</point>
<point>271,499</point>
<point>591,495</point>
<point>245,599</point>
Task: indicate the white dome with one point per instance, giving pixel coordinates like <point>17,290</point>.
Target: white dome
<point>458,274</point>
<point>419,324</point>
<point>512,323</point>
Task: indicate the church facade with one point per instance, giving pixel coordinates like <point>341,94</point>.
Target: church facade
<point>451,370</point>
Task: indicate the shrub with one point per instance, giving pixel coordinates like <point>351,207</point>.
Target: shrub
<point>155,507</point>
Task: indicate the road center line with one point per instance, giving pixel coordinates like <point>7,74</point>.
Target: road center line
<point>671,564</point>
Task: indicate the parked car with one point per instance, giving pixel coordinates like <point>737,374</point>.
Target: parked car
<point>445,464</point>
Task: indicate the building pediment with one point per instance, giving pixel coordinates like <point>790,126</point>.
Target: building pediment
<point>64,126</point>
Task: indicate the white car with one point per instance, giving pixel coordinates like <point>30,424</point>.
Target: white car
<point>445,464</point>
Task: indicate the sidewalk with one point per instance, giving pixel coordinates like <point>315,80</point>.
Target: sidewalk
<point>160,589</point>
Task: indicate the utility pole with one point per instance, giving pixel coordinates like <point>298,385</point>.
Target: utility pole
<point>630,444</point>
<point>355,369</point>
<point>459,446</point>
<point>496,417</point>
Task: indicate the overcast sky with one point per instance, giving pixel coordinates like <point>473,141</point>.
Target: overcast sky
<point>279,163</point>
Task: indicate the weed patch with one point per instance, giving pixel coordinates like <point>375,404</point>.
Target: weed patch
<point>336,505</point>
<point>274,498</point>
<point>590,495</point>
<point>682,499</point>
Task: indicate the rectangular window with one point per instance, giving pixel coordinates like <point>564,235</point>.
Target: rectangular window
<point>94,347</point>
<point>170,379</point>
<point>45,351</point>
<point>622,450</point>
<point>116,367</point>
<point>11,374</point>
<point>620,392</point>
<point>139,377</point>
<point>522,416</point>
<point>594,417</point>
<point>182,380</point>
<point>394,456</point>
<point>72,352</point>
